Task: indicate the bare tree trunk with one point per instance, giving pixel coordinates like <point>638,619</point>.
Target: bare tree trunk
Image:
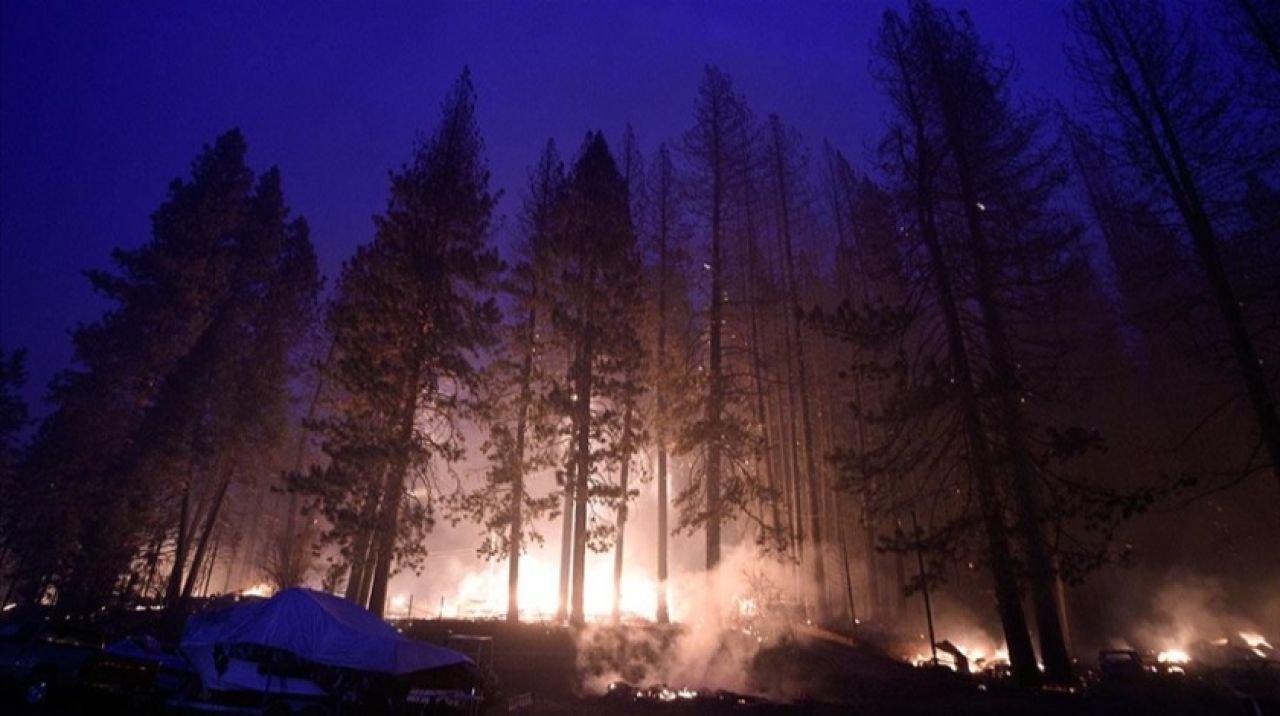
<point>206,532</point>
<point>715,374</point>
<point>153,560</point>
<point>515,538</point>
<point>660,383</point>
<point>799,486</point>
<point>623,474</point>
<point>582,434</point>
<point>566,538</point>
<point>173,592</point>
<point>874,598</point>
<point>384,539</point>
<point>664,610</point>
<point>757,379</point>
<point>817,558</point>
<point>208,569</point>
<point>357,581</point>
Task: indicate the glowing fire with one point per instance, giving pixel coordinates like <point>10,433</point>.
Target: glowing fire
<point>1173,656</point>
<point>262,589</point>
<point>980,659</point>
<point>1256,643</point>
<point>484,593</point>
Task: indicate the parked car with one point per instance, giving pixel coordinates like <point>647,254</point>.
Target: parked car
<point>1120,665</point>
<point>42,658</point>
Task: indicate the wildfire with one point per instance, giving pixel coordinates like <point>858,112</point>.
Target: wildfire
<point>262,589</point>
<point>979,659</point>
<point>1257,643</point>
<point>484,593</point>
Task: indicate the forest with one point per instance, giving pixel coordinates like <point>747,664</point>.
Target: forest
<point>1006,352</point>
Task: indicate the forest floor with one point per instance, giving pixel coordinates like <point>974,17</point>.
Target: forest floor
<point>540,666</point>
<point>546,670</point>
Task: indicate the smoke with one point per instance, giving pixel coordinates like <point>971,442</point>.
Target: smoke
<point>723,619</point>
<point>1190,609</point>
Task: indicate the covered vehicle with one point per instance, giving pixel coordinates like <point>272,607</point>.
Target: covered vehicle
<point>306,650</point>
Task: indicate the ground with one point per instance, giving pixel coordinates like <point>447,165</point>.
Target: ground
<point>538,666</point>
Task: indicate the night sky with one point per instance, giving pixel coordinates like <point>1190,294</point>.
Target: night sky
<point>102,104</point>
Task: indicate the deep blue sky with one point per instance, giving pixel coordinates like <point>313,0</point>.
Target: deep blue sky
<point>101,104</point>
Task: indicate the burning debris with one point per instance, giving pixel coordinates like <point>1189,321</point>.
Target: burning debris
<point>664,694</point>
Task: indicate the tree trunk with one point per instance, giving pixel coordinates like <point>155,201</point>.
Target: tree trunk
<point>582,430</point>
<point>623,474</point>
<point>715,377</point>
<point>291,517</point>
<point>1053,648</point>
<point>775,521</point>
<point>206,532</point>
<point>1041,577</point>
<point>875,600</point>
<point>660,396</point>
<point>209,564</point>
<point>1008,599</point>
<point>799,486</point>
<point>814,480</point>
<point>173,592</point>
<point>384,540</point>
<point>515,539</point>
<point>361,561</point>
<point>566,538</point>
<point>664,611</point>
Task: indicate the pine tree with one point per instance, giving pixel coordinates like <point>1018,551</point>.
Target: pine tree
<point>1004,181</point>
<point>518,420</point>
<point>787,168</point>
<point>915,149</point>
<point>717,151</point>
<point>668,302</point>
<point>1175,123</point>
<point>595,301</point>
<point>413,311</point>
<point>176,388</point>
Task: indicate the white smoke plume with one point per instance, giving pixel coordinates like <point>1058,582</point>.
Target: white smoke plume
<point>723,618</point>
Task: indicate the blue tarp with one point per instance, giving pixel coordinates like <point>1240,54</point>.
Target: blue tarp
<point>319,628</point>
